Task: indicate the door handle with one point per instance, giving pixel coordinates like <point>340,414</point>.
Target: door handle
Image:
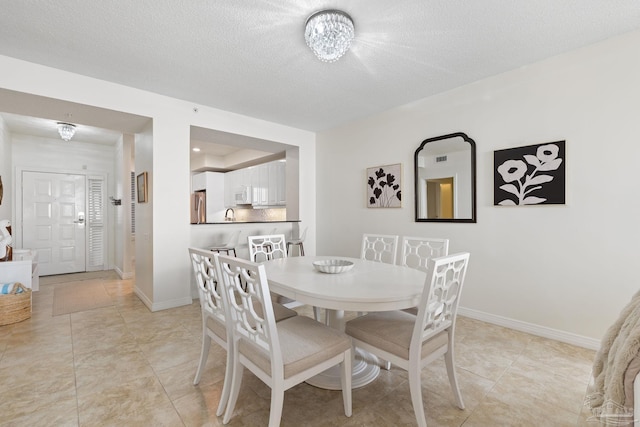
<point>80,221</point>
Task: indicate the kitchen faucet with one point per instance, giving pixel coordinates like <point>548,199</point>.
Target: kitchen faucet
<point>229,218</point>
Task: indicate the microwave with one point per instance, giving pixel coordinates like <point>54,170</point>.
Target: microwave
<point>243,195</point>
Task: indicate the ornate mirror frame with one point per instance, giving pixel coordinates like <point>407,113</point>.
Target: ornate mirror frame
<point>441,147</point>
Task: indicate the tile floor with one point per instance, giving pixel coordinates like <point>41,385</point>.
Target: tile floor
<point>126,366</point>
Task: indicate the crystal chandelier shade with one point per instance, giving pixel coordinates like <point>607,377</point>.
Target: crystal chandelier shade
<point>329,34</point>
<point>66,130</point>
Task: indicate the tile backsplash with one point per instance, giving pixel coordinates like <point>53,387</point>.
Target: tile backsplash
<point>275,214</point>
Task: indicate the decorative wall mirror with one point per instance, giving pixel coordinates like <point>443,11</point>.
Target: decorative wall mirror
<point>445,179</point>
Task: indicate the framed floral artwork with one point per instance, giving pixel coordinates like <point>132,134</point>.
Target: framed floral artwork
<point>530,175</point>
<point>384,186</point>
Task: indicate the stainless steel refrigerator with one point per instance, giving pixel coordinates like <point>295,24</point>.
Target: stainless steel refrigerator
<point>198,207</point>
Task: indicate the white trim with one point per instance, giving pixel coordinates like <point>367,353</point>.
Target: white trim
<point>179,302</point>
<point>122,275</point>
<point>530,328</point>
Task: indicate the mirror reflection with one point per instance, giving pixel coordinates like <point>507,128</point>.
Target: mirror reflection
<point>445,179</point>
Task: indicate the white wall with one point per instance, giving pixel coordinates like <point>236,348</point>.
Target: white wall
<point>557,269</point>
<point>124,250</point>
<point>164,258</point>
<point>5,171</point>
<point>144,286</point>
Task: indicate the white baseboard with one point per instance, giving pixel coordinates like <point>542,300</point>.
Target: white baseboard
<point>530,328</point>
<point>157,306</point>
<point>122,275</point>
<point>146,301</point>
<point>171,303</point>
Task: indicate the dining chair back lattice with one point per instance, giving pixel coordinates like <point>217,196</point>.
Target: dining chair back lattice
<point>413,341</point>
<point>282,355</point>
<point>273,246</point>
<point>267,247</point>
<point>379,247</point>
<point>417,251</point>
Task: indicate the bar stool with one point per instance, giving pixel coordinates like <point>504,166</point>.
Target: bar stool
<point>230,246</point>
<point>297,242</point>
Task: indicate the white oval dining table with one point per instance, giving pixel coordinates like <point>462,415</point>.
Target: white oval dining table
<point>368,286</point>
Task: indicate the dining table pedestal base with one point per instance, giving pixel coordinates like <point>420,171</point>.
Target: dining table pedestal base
<point>365,366</point>
<point>365,370</point>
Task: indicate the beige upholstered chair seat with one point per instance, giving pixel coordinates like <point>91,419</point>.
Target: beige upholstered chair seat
<point>299,355</point>
<point>217,327</point>
<point>279,311</point>
<point>391,331</point>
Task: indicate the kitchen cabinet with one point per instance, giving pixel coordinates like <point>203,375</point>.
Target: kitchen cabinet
<point>199,182</point>
<point>267,182</point>
<point>231,183</point>
<point>277,183</point>
<point>260,185</point>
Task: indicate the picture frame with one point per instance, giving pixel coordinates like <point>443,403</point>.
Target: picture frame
<point>384,186</point>
<point>530,175</point>
<point>142,187</point>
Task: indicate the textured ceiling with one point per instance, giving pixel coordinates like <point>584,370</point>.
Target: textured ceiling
<point>250,57</point>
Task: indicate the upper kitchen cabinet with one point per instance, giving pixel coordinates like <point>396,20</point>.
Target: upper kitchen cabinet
<point>199,182</point>
<point>277,195</point>
<point>266,184</point>
<point>269,184</point>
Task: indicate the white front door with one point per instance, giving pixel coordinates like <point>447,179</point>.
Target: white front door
<point>53,220</point>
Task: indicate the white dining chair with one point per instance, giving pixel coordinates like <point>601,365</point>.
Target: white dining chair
<point>282,355</point>
<point>379,247</point>
<point>411,342</point>
<point>297,242</point>
<point>417,251</point>
<point>268,247</point>
<point>230,246</point>
<point>214,326</point>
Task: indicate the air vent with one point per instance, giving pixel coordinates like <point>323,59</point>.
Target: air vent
<point>441,159</point>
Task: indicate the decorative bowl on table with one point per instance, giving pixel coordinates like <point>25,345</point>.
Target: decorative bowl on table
<point>333,266</point>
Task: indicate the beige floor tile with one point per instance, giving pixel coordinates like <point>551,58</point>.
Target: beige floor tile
<point>125,365</point>
<point>171,349</point>
<point>178,380</point>
<point>103,369</point>
<point>198,407</point>
<point>140,402</point>
<point>63,412</point>
<point>557,391</point>
<point>35,395</point>
<point>495,412</point>
<point>473,388</point>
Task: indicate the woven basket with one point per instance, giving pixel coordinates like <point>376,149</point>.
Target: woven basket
<point>15,307</point>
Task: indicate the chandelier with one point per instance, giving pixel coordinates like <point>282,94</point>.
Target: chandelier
<point>66,130</point>
<point>329,34</point>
